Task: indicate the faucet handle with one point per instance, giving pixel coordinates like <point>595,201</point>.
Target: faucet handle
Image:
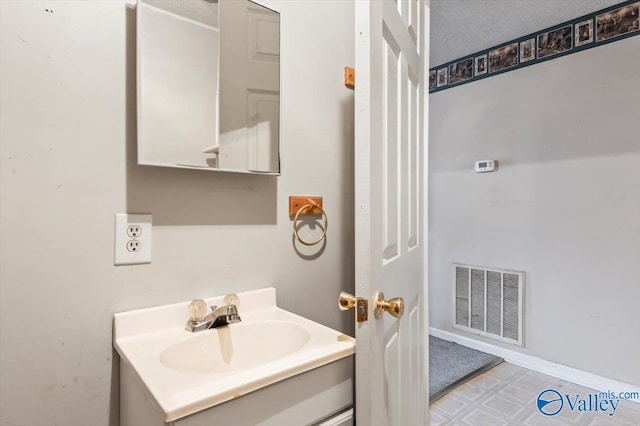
<point>231,299</point>
<point>197,310</point>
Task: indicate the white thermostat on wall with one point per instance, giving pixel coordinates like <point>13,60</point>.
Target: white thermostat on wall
<point>483,166</point>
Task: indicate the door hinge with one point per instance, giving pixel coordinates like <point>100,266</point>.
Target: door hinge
<point>350,77</point>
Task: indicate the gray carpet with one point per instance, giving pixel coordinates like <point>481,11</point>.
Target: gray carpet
<point>450,365</point>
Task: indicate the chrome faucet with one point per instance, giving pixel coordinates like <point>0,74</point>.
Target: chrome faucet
<point>219,316</point>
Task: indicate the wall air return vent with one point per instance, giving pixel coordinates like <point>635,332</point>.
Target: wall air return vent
<point>489,302</point>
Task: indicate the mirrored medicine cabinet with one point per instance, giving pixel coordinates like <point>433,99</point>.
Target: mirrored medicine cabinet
<point>208,85</point>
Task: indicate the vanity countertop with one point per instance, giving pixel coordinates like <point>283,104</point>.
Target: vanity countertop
<point>267,346</point>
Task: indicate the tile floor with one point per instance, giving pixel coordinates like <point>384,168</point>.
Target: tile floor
<point>506,395</point>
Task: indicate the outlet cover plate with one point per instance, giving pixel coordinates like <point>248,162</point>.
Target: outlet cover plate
<point>124,252</point>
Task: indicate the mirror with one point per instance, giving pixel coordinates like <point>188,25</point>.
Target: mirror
<point>208,85</point>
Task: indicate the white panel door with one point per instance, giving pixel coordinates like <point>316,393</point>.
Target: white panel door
<point>250,86</point>
<point>391,106</point>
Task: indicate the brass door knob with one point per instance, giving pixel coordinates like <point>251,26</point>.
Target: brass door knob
<point>394,306</point>
<point>346,301</point>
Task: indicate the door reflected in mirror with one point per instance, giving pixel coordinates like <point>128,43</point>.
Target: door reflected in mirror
<point>208,85</point>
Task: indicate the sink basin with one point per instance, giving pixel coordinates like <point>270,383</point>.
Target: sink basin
<point>183,373</point>
<point>239,346</point>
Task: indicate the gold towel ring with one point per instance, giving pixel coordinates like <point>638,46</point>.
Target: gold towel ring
<point>324,228</point>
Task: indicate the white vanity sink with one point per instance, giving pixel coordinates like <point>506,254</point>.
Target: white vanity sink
<point>235,347</point>
<point>183,373</point>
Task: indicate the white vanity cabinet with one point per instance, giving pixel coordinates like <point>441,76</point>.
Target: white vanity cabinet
<point>314,397</point>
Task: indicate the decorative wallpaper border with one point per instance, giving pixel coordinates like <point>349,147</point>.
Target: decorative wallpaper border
<point>595,29</point>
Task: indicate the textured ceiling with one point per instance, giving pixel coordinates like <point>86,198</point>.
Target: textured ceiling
<point>203,11</point>
<point>461,27</point>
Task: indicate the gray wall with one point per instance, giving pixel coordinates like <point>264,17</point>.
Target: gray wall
<point>564,205</point>
<point>68,163</point>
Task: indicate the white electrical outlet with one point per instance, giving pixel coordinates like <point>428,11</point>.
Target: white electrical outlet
<point>134,230</point>
<point>133,239</point>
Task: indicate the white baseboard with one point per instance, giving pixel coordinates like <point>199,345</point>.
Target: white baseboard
<point>540,365</point>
